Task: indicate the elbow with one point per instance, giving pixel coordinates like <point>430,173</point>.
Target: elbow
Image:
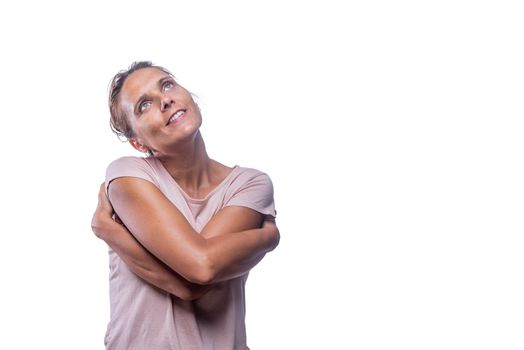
<point>273,240</point>
<point>270,235</point>
<point>189,292</point>
<point>97,226</point>
<point>204,272</point>
<point>193,292</point>
<point>188,295</point>
<point>203,278</point>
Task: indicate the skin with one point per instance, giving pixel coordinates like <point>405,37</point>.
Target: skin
<point>155,240</point>
<point>136,257</point>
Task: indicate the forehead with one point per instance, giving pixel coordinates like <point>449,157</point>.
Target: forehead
<point>139,83</point>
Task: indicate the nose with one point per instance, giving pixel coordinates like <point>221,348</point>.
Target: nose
<point>166,102</point>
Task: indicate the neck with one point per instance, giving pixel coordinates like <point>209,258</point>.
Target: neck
<point>190,165</point>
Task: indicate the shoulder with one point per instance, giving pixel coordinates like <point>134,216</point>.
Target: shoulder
<point>243,175</point>
<point>248,178</point>
<point>132,167</point>
<point>128,161</point>
<point>252,188</point>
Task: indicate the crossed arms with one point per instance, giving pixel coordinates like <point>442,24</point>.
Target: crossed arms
<point>160,246</point>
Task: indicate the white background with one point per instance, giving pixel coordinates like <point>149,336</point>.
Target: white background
<point>392,130</point>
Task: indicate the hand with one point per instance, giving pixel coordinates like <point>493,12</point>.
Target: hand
<point>271,232</point>
<point>103,215</point>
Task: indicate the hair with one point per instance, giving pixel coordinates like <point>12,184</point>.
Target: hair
<point>119,121</point>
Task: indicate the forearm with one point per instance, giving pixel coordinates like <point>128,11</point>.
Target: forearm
<point>226,256</point>
<point>233,254</point>
<point>145,265</point>
<point>165,232</point>
<point>226,270</point>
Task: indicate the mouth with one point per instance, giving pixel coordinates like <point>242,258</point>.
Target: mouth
<point>176,116</point>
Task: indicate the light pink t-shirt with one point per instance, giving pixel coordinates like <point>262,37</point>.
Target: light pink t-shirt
<point>144,317</point>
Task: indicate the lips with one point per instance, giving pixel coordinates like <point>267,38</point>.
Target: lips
<point>176,116</point>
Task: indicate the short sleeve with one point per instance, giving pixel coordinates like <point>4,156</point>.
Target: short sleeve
<point>256,193</point>
<point>130,167</point>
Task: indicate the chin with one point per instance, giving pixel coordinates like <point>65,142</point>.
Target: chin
<point>188,131</point>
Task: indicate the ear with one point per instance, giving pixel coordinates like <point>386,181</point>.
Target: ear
<point>138,146</point>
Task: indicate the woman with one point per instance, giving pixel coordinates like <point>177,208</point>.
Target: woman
<point>188,226</point>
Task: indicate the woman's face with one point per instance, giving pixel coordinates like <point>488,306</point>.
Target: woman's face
<point>161,112</point>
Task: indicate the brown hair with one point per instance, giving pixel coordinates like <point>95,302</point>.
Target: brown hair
<point>119,121</point>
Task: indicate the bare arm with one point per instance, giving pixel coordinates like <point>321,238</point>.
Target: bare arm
<point>160,227</point>
<point>221,224</point>
<point>136,257</point>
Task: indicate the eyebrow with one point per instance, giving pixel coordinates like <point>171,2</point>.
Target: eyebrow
<point>144,96</point>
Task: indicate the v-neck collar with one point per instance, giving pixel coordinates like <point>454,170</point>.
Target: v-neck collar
<point>188,197</point>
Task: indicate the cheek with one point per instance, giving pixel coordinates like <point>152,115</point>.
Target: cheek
<point>149,132</point>
<point>185,97</point>
<point>144,131</point>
